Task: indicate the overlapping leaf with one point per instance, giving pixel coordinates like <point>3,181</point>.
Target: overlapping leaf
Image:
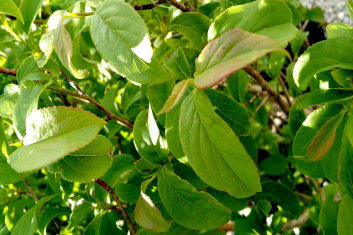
<point>231,52</point>
<point>88,163</point>
<point>323,56</point>
<point>53,133</point>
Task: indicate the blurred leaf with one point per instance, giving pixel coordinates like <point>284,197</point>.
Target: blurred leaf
<point>10,8</point>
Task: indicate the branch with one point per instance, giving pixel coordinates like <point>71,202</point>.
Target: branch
<point>8,71</point>
<point>30,190</point>
<point>121,207</point>
<point>303,218</point>
<point>180,6</point>
<point>264,84</point>
<point>149,6</point>
<point>87,98</point>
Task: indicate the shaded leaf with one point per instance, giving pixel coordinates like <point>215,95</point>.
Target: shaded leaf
<point>193,26</point>
<point>147,139</point>
<point>29,10</point>
<point>88,163</point>
<point>230,111</point>
<point>191,209</point>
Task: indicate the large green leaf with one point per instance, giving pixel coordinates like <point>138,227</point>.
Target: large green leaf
<point>29,10</point>
<point>339,30</point>
<point>10,8</point>
<point>345,216</point>
<point>323,56</point>
<point>230,111</point>
<point>191,209</point>
<point>213,150</point>
<point>51,134</point>
<point>125,42</point>
<point>147,139</point>
<point>253,17</point>
<point>88,163</point>
<point>193,26</point>
<point>346,160</point>
<point>230,52</point>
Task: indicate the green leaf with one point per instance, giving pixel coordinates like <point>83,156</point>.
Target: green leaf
<point>346,159</point>
<point>213,150</point>
<point>230,52</point>
<point>329,210</point>
<point>27,225</point>
<point>230,111</point>
<point>172,132</point>
<point>252,17</point>
<point>29,10</point>
<point>147,139</point>
<point>53,133</point>
<point>274,165</point>
<point>62,43</point>
<point>80,213</point>
<point>114,19</point>
<point>322,56</point>
<point>7,174</point>
<point>104,223</point>
<point>320,97</point>
<point>28,66</point>
<point>283,33</point>
<point>88,163</point>
<point>193,26</point>
<point>281,195</point>
<point>9,7</point>
<point>175,97</point>
<point>191,209</point>
<point>179,65</point>
<point>48,215</point>
<point>324,139</point>
<point>148,216</point>
<point>306,133</point>
<point>27,102</point>
<point>339,30</point>
<point>345,216</point>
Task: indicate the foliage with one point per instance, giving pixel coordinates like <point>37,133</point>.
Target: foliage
<point>168,117</point>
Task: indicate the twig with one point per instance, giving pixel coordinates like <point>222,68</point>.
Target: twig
<point>8,71</point>
<point>182,7</point>
<point>284,87</point>
<point>89,99</point>
<point>303,218</point>
<point>121,207</point>
<point>86,98</point>
<point>72,83</point>
<point>263,83</point>
<point>30,190</point>
<point>149,6</point>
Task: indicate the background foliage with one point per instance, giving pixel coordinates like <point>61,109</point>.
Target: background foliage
<point>174,117</point>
